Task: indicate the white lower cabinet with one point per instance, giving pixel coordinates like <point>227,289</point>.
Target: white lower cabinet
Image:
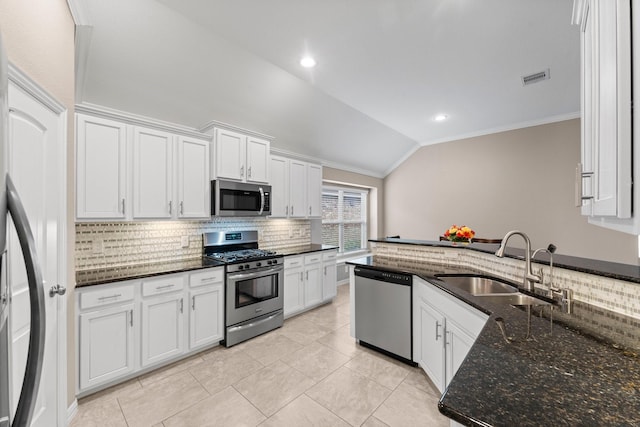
<point>309,280</point>
<point>106,344</point>
<point>444,329</point>
<point>162,328</point>
<point>125,328</point>
<point>205,326</point>
<point>329,275</point>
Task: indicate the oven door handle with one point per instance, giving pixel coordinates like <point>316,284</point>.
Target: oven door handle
<point>261,201</point>
<point>240,276</point>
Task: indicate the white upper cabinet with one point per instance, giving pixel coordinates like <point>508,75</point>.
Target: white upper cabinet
<point>101,171</point>
<point>604,178</point>
<point>193,178</point>
<point>296,188</point>
<point>128,172</point>
<point>314,190</point>
<point>240,157</point>
<point>257,160</point>
<point>152,173</point>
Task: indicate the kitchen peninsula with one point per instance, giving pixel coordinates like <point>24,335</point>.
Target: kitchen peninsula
<point>577,369</point>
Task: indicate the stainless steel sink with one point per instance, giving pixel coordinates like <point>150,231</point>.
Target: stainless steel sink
<point>491,289</point>
<point>479,285</point>
<point>514,299</point>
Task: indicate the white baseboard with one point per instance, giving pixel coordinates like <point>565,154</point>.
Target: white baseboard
<point>72,411</point>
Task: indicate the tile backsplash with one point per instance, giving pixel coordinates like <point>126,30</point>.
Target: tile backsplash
<point>111,244</point>
<point>608,293</point>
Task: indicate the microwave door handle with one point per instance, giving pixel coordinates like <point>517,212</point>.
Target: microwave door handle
<point>261,201</point>
<point>33,370</point>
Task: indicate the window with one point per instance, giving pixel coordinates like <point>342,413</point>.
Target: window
<point>344,218</point>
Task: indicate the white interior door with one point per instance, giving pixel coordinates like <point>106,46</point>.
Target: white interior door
<point>36,149</point>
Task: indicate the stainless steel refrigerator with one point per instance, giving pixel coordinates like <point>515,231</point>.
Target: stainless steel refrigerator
<point>10,203</point>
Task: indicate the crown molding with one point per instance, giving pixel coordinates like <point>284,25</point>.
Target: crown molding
<point>210,125</point>
<point>138,120</point>
<point>24,82</point>
<point>515,126</point>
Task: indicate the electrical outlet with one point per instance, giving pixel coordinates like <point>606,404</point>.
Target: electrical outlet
<point>185,241</point>
<point>97,246</point>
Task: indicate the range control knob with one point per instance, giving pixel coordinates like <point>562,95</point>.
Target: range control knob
<point>240,267</point>
<point>247,266</point>
<point>258,264</point>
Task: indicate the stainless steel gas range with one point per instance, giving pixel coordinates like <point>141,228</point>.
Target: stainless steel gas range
<point>253,286</point>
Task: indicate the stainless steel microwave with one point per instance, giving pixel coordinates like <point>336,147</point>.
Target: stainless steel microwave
<point>231,198</point>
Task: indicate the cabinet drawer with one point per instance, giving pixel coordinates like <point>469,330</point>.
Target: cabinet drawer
<point>106,296</point>
<point>291,262</point>
<point>313,258</point>
<point>329,255</point>
<point>161,286</point>
<point>207,277</point>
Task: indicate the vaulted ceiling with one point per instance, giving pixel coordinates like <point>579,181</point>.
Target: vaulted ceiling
<point>385,69</point>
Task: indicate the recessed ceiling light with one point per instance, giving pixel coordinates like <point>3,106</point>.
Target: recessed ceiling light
<point>440,117</point>
<point>308,62</point>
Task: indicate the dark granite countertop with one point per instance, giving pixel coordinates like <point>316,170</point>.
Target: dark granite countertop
<point>569,374</point>
<point>627,272</point>
<point>100,276</point>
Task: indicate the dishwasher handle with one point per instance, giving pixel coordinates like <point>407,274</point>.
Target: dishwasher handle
<point>384,276</point>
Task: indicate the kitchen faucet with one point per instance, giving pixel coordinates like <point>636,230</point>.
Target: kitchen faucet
<point>529,277</point>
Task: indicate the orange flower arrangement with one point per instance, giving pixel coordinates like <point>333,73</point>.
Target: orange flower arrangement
<point>459,234</point>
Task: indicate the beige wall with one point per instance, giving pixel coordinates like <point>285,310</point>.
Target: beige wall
<point>376,209</point>
<point>39,38</point>
<point>521,179</point>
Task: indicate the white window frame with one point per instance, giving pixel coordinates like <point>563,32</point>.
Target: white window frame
<point>364,194</point>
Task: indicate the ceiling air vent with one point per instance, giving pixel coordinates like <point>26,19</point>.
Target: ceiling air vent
<point>536,77</point>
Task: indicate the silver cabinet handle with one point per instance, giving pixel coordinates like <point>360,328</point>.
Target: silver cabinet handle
<point>170,207</point>
<point>57,290</point>
<point>325,271</point>
<point>131,318</point>
<point>164,287</point>
<point>181,207</point>
<point>291,210</point>
<point>123,210</point>
<point>445,338</point>
<point>249,172</point>
<point>193,303</point>
<point>181,305</point>
<point>437,326</point>
<point>109,297</point>
<point>286,210</point>
<point>307,276</point>
<point>301,276</point>
<point>242,170</point>
<point>309,210</point>
<point>580,175</point>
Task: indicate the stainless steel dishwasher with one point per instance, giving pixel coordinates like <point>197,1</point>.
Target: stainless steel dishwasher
<point>383,312</point>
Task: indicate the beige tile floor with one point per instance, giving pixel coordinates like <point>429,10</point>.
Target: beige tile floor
<point>310,372</point>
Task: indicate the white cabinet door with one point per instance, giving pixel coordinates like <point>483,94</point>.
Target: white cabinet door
<point>293,291</point>
<point>606,112</point>
<point>230,154</point>
<point>458,344</point>
<point>312,285</point>
<point>106,345</point>
<point>297,189</point>
<point>429,324</point>
<point>279,187</point>
<point>314,190</point>
<point>193,179</point>
<point>329,280</point>
<point>152,173</point>
<point>162,328</point>
<point>257,160</point>
<point>206,316</point>
<point>101,168</point>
